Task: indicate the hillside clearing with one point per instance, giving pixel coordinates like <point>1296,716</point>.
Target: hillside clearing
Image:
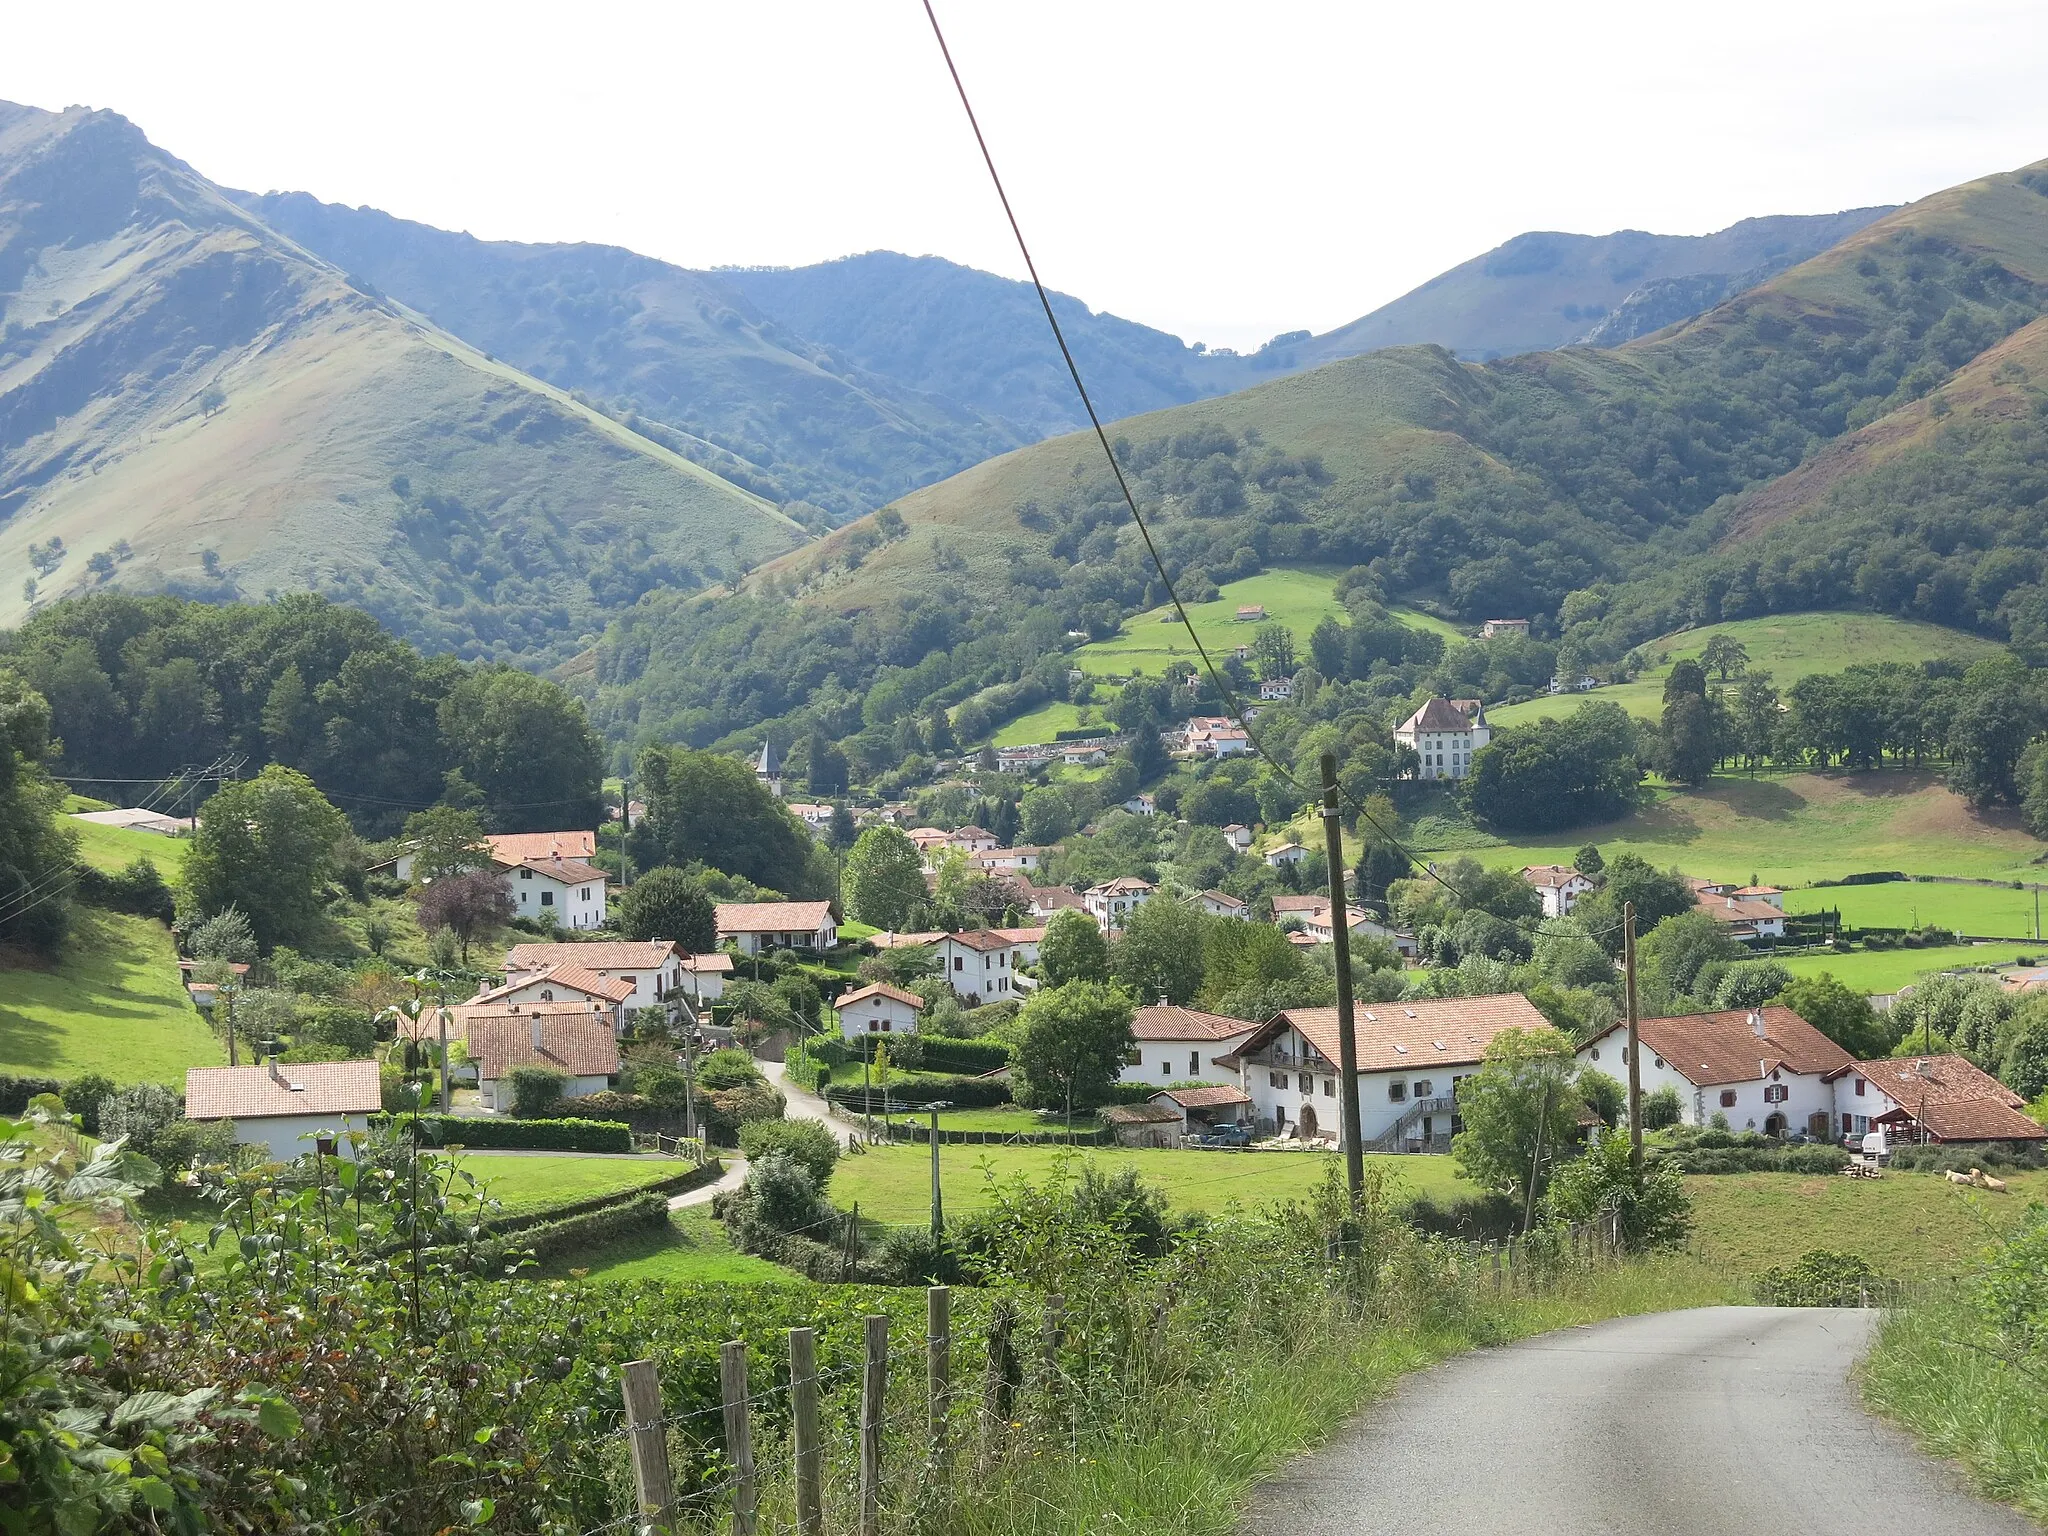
<point>1881,971</point>
<point>114,1003</point>
<point>110,849</point>
<point>1981,911</point>
<point>1788,646</point>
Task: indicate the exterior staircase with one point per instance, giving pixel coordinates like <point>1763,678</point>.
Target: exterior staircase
<point>1398,1136</point>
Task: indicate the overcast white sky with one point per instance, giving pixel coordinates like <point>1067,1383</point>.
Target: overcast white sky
<point>1224,171</point>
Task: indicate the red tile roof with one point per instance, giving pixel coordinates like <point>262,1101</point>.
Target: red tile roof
<point>1953,1098</point>
<point>278,1088</point>
<point>1283,905</point>
<point>773,916</point>
<point>575,978</point>
<point>1204,1098</point>
<point>516,847</point>
<point>567,871</point>
<point>1429,1032</point>
<point>1167,1022</point>
<point>880,989</point>
<point>612,955</point>
<point>580,1046</point>
<point>1712,1048</point>
<point>1555,876</point>
<point>981,940</point>
<point>1437,715</point>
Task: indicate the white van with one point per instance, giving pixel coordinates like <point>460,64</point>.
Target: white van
<point>1875,1147</point>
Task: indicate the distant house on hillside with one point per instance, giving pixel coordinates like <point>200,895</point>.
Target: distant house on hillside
<point>757,925</point>
<point>569,890</point>
<point>1112,902</point>
<point>653,967</point>
<point>1444,737</point>
<point>1251,613</point>
<point>136,820</point>
<point>1275,688</point>
<point>1223,904</point>
<point>1285,853</point>
<point>1559,885</point>
<point>878,1009</point>
<point>1747,917</point>
<point>1494,627</point>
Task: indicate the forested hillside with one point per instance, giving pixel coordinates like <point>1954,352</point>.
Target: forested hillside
<point>1540,487</point>
<point>191,403</point>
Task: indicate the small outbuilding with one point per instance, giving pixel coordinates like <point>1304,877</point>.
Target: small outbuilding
<point>878,1009</point>
<point>1144,1125</point>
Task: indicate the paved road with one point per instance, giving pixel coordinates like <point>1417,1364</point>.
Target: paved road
<point>1716,1422</point>
<point>805,1106</point>
<point>735,1175</point>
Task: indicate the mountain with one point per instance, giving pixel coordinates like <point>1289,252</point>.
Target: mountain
<point>1706,471</point>
<point>191,402</point>
<point>1543,290</point>
<point>686,353</point>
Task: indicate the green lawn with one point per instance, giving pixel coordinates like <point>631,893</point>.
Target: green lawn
<point>113,848</point>
<point>1042,723</point>
<point>1789,647</point>
<point>1906,1224</point>
<point>1982,911</point>
<point>691,1247</point>
<point>114,1003</point>
<point>1789,830</point>
<point>893,1184</point>
<point>1887,970</point>
<point>531,1182</point>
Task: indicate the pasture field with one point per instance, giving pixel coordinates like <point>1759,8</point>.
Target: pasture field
<point>1980,911</point>
<point>1042,723</point>
<point>532,1181</point>
<point>1878,971</point>
<point>1790,830</point>
<point>893,1184</point>
<point>1908,1225</point>
<point>1788,646</point>
<point>110,849</point>
<point>113,1003</point>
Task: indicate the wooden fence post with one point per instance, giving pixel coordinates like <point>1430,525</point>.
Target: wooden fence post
<point>1493,1249</point>
<point>648,1439</point>
<point>1051,1338</point>
<point>739,1436</point>
<point>803,1403</point>
<point>1514,1266</point>
<point>995,1393</point>
<point>938,1369</point>
<point>874,1391</point>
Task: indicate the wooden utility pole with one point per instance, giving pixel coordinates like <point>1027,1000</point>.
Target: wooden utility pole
<point>938,1209</point>
<point>1635,1039</point>
<point>874,1392</point>
<point>1347,1028</point>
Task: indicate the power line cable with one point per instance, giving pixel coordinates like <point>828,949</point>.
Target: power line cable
<point>1232,703</point>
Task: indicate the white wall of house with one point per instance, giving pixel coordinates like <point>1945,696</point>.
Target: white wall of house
<point>979,975</point>
<point>497,1091</point>
<point>1163,1063</point>
<point>577,904</point>
<point>877,1016</point>
<point>753,943</point>
<point>1286,1094</point>
<point>1749,1106</point>
<point>286,1137</point>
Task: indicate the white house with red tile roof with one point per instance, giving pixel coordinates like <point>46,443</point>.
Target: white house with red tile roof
<point>1223,904</point>
<point>1559,885</point>
<point>1444,738</point>
<point>757,925</point>
<point>581,1046</point>
<point>569,890</point>
<point>704,976</point>
<point>973,840</point>
<point>1929,1098</point>
<point>1746,917</point>
<point>1201,1109</point>
<point>284,1106</point>
<point>1048,899</point>
<point>980,964</point>
<point>567,983</point>
<point>1289,852</point>
<point>1411,1057</point>
<point>878,1009</point>
<point>1177,1045</point>
<point>1765,1069</point>
<point>1112,902</point>
<point>1238,836</point>
<point>652,965</point>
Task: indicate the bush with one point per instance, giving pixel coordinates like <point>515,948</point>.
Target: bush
<point>15,1092</point>
<point>537,1091</point>
<point>960,1092</point>
<point>1661,1109</point>
<point>188,1143</point>
<point>778,1200</point>
<point>939,1053</point>
<point>82,1096</point>
<point>1654,1209</point>
<point>139,889</point>
<point>809,1142</point>
<point>141,1113</point>
<point>565,1135</point>
<point>1480,1218</point>
<point>908,1256</point>
<point>348,1028</point>
<point>1821,1278</point>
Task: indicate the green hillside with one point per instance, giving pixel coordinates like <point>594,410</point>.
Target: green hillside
<point>191,403</point>
<point>114,1004</point>
<point>1788,646</point>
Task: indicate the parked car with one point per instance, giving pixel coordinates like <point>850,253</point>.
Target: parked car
<point>1223,1136</point>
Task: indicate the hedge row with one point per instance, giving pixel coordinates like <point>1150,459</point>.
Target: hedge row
<point>527,1221</point>
<point>523,1135</point>
<point>1809,1158</point>
<point>935,1053</point>
<point>15,1092</point>
<point>960,1092</point>
<point>918,1131</point>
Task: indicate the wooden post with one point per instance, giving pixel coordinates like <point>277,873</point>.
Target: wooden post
<point>995,1393</point>
<point>739,1436</point>
<point>1635,1038</point>
<point>1514,1269</point>
<point>1347,1029</point>
<point>1050,1339</point>
<point>1495,1246</point>
<point>648,1440</point>
<point>938,1369</point>
<point>874,1390</point>
<point>810,1453</point>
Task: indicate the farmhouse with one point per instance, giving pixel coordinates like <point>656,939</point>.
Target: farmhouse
<point>558,1036</point>
<point>1285,853</point>
<point>1274,688</point>
<point>653,966</point>
<point>1285,907</point>
<point>1411,1057</point>
<point>1929,1098</point>
<point>1112,901</point>
<point>1239,837</point>
<point>980,965</point>
<point>1747,917</point>
<point>1175,1045</point>
<point>1766,1069</point>
<point>757,925</point>
<point>878,1009</point>
<point>1142,805</point>
<point>135,819</point>
<point>1048,899</point>
<point>287,1109</point>
<point>1223,904</point>
<point>567,983</point>
<point>1493,627</point>
<point>1009,861</point>
<point>1444,734</point>
<point>511,847</point>
<point>1559,885</point>
<point>568,889</point>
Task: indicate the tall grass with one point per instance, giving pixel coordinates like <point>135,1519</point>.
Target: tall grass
<point>1933,1372</point>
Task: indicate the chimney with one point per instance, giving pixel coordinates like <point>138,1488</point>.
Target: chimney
<point>1756,1022</point>
<point>1162,999</point>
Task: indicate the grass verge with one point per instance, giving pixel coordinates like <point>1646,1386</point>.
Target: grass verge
<point>525,1183</point>
<point>693,1247</point>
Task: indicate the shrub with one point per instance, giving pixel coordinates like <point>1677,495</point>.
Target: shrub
<point>1661,1109</point>
<point>141,1113</point>
<point>961,1092</point>
<point>908,1256</point>
<point>189,1143</point>
<point>15,1092</point>
<point>812,1144</point>
<point>224,936</point>
<point>82,1096</point>
<point>537,1091</point>
<point>350,1029</point>
<point>1958,1157</point>
<point>779,1199</point>
<point>139,889</point>
<point>1821,1278</point>
<point>1654,1209</point>
<point>727,1069</point>
<point>941,1053</point>
<point>725,1110</point>
<point>1482,1218</point>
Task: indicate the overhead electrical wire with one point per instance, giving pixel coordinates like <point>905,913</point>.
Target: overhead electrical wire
<point>1231,702</point>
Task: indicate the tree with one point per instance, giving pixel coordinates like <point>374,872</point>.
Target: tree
<point>1587,861</point>
<point>2025,1067</point>
<point>1671,955</point>
<point>1650,1202</point>
<point>1557,773</point>
<point>1997,717</point>
<point>1751,984</point>
<point>825,768</point>
<point>1630,877</point>
<point>527,745</point>
<point>1380,864</point>
<point>1840,1012</point>
<point>1273,650</point>
<point>883,879</point>
<point>265,845</point>
<point>36,846</point>
<point>226,935</point>
<point>1756,719</point>
<point>1726,655</point>
<point>1239,955</point>
<point>666,903</point>
<point>446,841</point>
<point>840,831</point>
<point>707,808</point>
<point>1073,949</point>
<point>1525,1094</point>
<point>1158,954</point>
<point>1073,1043</point>
<point>470,906</point>
<point>1690,738</point>
<point>1329,647</point>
